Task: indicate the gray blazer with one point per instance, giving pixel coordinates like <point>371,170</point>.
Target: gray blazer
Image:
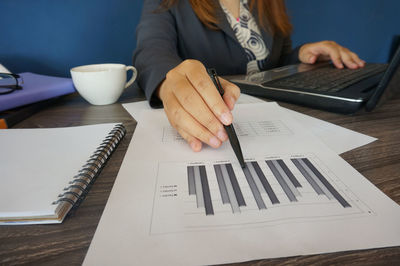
<point>166,38</point>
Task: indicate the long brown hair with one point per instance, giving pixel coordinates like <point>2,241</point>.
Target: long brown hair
<point>271,13</point>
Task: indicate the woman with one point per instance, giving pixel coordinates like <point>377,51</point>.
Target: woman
<point>179,39</point>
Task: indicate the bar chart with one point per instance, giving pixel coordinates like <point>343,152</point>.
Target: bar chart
<point>268,190</point>
<point>231,193</point>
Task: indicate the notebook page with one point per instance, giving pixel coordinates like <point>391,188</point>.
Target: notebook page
<point>37,164</point>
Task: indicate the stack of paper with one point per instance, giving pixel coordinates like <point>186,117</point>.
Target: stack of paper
<point>170,206</point>
<point>339,139</point>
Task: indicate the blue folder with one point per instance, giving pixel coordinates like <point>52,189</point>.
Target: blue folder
<point>36,88</point>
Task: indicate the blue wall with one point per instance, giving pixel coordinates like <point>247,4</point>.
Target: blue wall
<point>364,26</point>
<point>51,36</point>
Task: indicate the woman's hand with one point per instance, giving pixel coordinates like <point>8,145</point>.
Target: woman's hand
<point>328,50</point>
<point>194,106</point>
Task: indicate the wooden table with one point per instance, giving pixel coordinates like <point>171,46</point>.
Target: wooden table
<point>67,243</point>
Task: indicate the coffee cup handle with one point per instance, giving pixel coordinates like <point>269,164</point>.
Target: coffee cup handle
<point>134,74</point>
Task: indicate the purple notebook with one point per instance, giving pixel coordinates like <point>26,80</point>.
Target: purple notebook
<point>36,88</point>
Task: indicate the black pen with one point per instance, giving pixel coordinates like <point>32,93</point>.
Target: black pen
<point>229,129</point>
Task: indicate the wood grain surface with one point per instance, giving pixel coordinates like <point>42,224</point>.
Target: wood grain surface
<point>67,243</point>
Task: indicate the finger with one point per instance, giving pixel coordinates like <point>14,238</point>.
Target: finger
<point>192,102</point>
<point>334,55</point>
<point>348,60</point>
<point>203,84</point>
<point>182,120</point>
<point>231,93</point>
<point>193,142</point>
<point>312,59</point>
<point>360,63</point>
<point>313,52</point>
<point>327,49</point>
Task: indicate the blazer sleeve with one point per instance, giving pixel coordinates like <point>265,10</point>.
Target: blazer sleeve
<point>156,52</point>
<point>289,55</point>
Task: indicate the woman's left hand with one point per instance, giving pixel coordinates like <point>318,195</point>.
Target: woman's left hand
<point>329,50</point>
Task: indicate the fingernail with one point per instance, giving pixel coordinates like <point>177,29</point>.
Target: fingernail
<point>226,118</point>
<point>232,100</point>
<point>222,135</point>
<point>194,145</point>
<point>214,142</point>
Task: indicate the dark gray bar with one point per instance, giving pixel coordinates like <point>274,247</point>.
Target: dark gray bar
<point>192,186</point>
<point>289,173</point>
<point>282,182</point>
<point>327,193</point>
<point>308,177</point>
<point>229,188</point>
<point>221,184</point>
<point>235,185</point>
<point>199,189</point>
<point>286,179</point>
<point>206,191</point>
<point>254,189</point>
<point>265,183</point>
<point>331,189</point>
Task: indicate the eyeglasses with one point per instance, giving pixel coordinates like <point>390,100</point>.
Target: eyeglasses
<point>10,82</point>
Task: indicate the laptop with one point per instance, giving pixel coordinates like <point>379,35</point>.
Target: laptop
<point>323,86</point>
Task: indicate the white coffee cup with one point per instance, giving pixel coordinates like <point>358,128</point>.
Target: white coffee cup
<point>102,84</point>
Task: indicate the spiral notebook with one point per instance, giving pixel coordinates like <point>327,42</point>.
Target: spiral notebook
<point>45,173</point>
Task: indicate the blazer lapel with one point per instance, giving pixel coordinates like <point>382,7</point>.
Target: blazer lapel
<point>223,23</point>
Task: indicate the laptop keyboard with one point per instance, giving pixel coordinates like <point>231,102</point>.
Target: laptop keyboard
<point>326,78</point>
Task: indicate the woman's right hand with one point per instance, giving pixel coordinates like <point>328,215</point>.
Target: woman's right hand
<point>194,106</point>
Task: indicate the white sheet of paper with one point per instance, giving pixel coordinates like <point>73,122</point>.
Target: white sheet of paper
<point>153,217</point>
<point>338,138</point>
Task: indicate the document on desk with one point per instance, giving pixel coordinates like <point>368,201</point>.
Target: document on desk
<point>338,138</point>
<point>171,206</point>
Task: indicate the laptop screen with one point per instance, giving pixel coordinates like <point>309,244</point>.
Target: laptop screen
<point>386,88</point>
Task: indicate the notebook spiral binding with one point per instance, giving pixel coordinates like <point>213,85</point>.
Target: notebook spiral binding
<point>78,188</point>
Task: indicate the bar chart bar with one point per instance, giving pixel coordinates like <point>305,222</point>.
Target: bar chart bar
<point>235,185</point>
<point>289,173</point>
<point>255,178</point>
<point>199,186</point>
<point>221,184</point>
<point>289,193</point>
<point>265,183</point>
<point>253,187</point>
<point>326,183</point>
<point>313,177</point>
<point>192,187</point>
<point>286,178</point>
<point>308,177</point>
<point>229,188</point>
<point>199,189</point>
<point>206,191</point>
